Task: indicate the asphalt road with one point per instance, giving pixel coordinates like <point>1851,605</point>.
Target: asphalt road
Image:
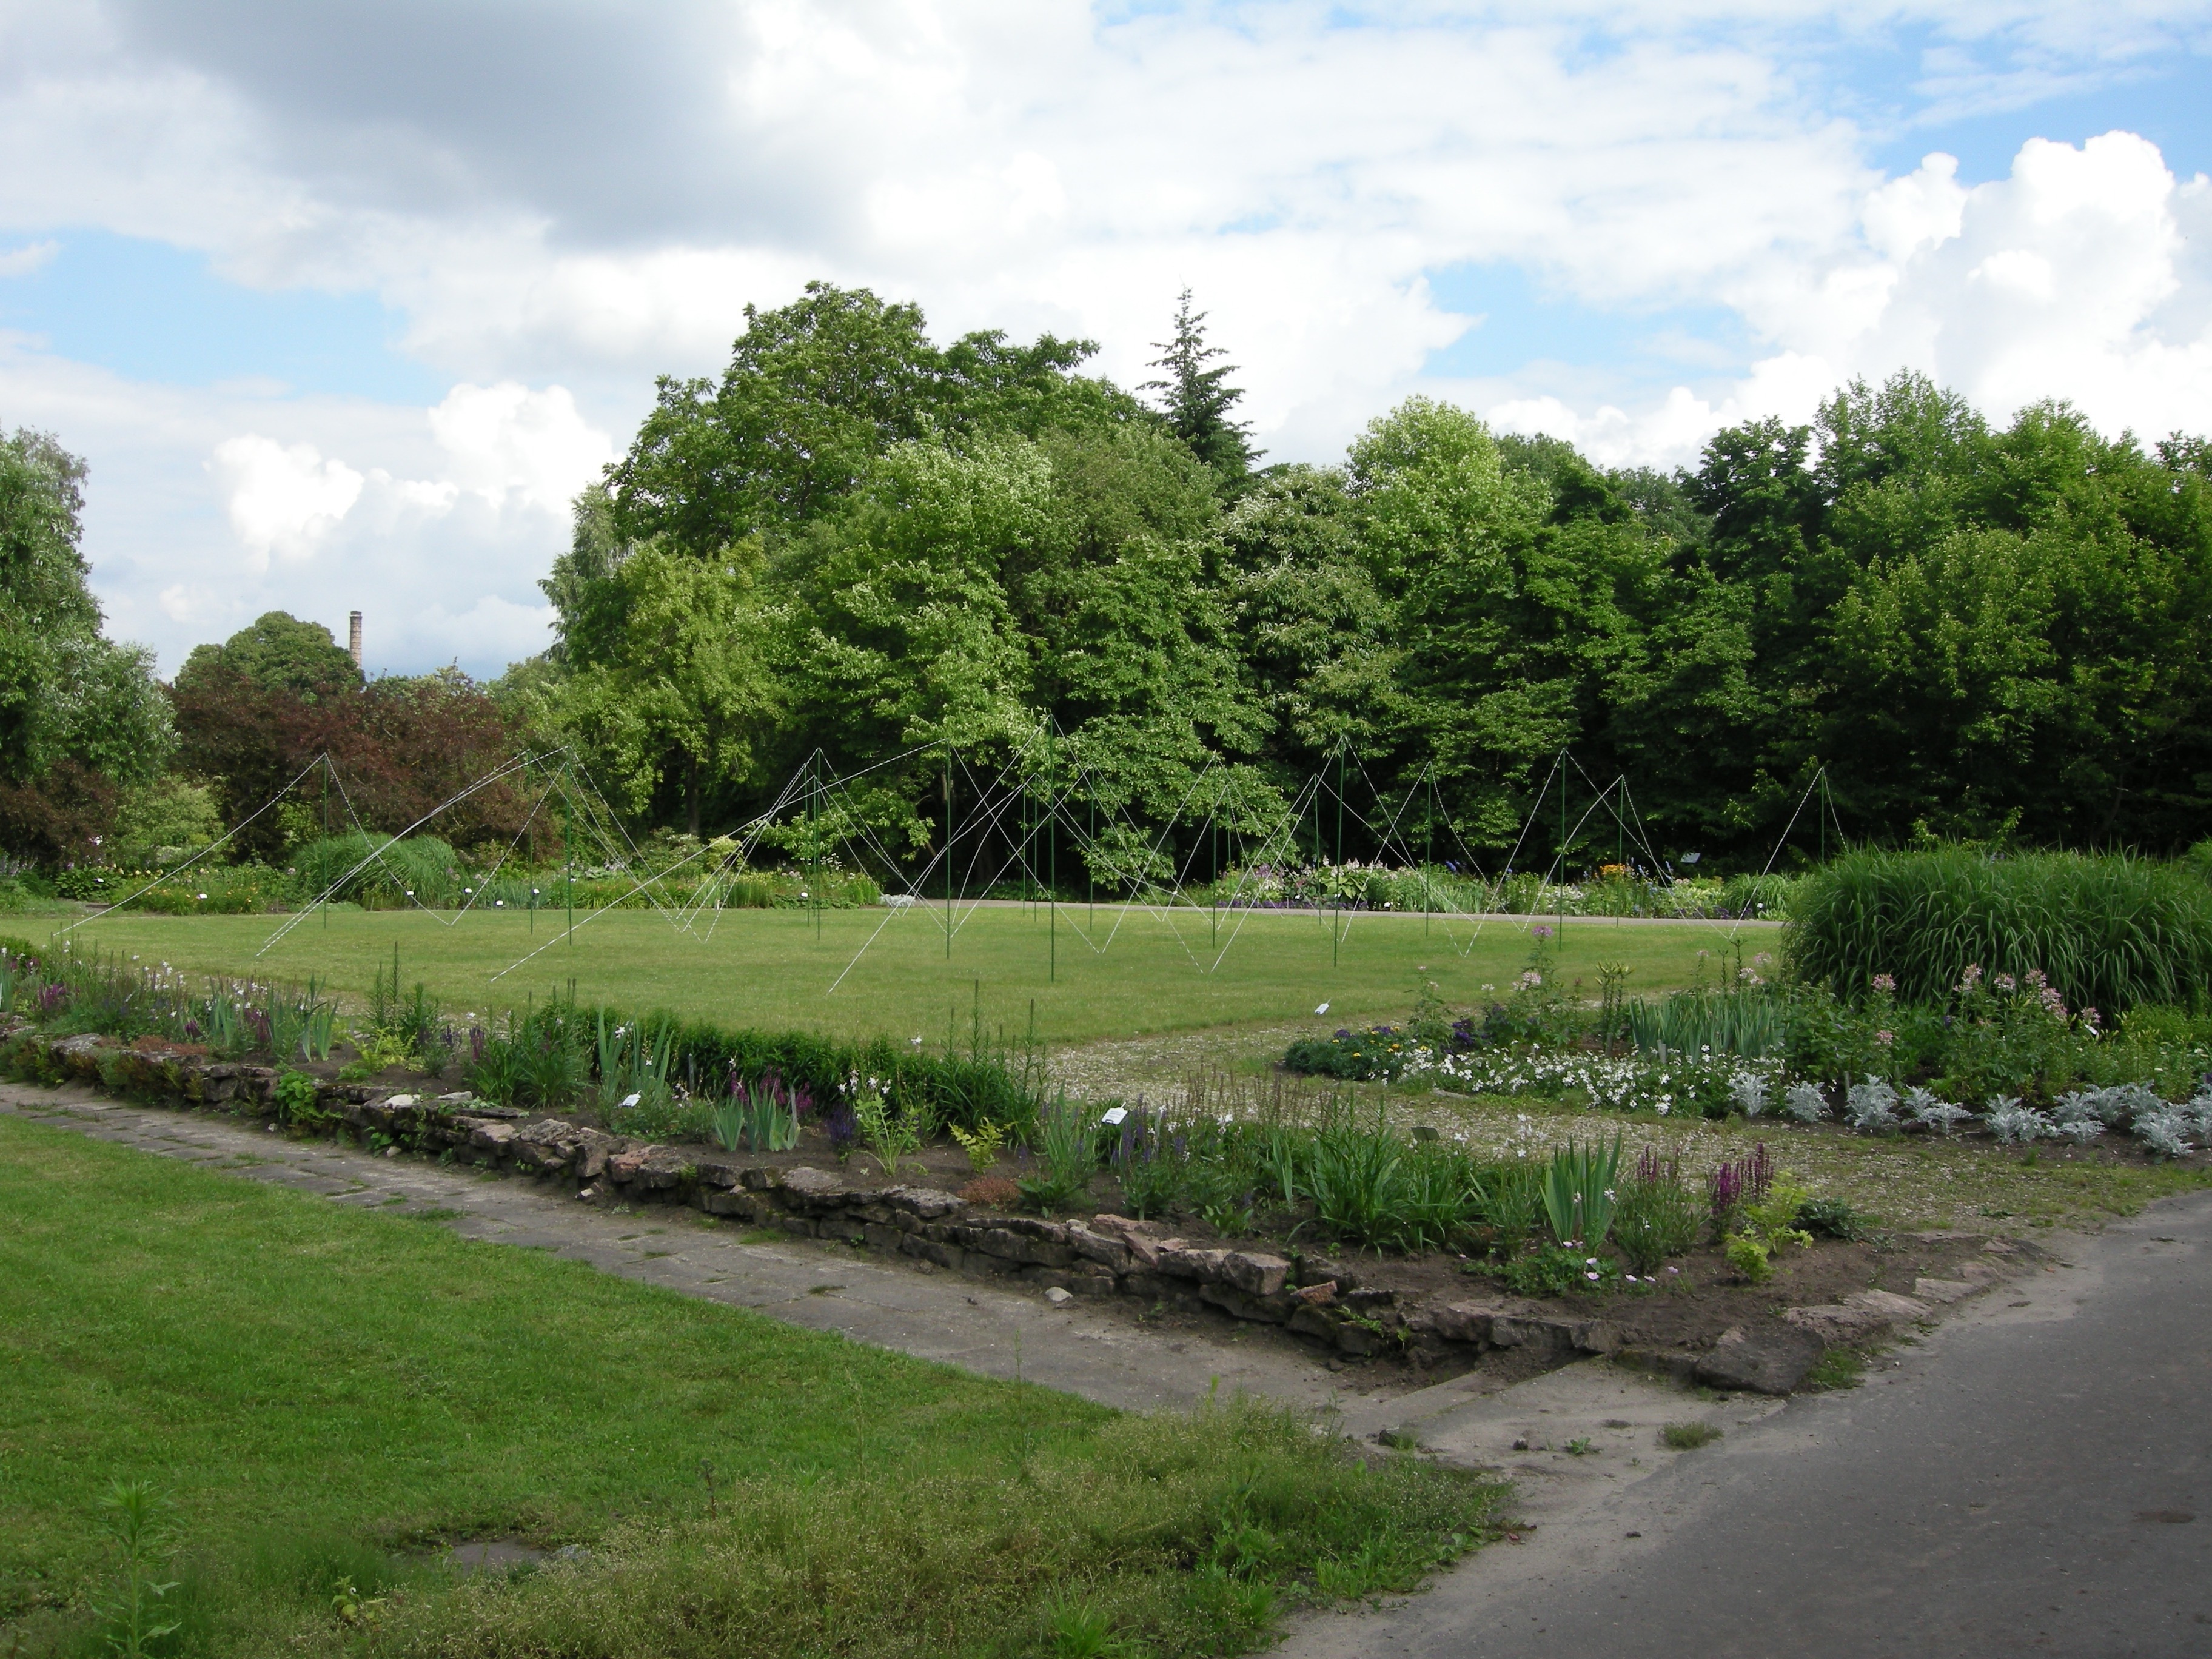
<point>2034,1477</point>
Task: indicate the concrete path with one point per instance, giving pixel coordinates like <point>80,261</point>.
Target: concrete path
<point>1101,1353</point>
<point>2034,1477</point>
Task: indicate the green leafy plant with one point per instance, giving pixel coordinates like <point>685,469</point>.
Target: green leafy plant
<point>981,1144</point>
<point>136,1518</point>
<point>294,1096</point>
<point>1749,1256</point>
<point>892,1135</point>
<point>1688,1437</point>
<point>1658,1215</point>
<point>1067,1158</point>
<point>1579,1192</point>
<point>1355,1178</point>
<point>1556,1270</point>
<point>633,1066</point>
<point>762,1117</point>
<point>1832,1218</point>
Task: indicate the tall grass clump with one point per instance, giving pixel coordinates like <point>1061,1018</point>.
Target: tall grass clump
<point>2108,932</point>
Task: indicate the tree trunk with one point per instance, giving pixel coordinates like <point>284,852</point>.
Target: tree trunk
<point>691,793</point>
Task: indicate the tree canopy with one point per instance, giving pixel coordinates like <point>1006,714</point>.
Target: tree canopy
<point>1976,631</point>
<point>80,715</point>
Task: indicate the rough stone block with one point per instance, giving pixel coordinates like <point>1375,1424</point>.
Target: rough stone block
<point>1835,1322</point>
<point>1889,1304</point>
<point>1107,1251</point>
<point>924,1203</point>
<point>1456,1321</point>
<point>1261,1310</point>
<point>1205,1266</point>
<point>930,1249</point>
<point>1943,1290</point>
<point>1770,1359</point>
<point>814,1187</point>
<point>1254,1273</point>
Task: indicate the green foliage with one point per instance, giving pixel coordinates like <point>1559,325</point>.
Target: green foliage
<point>1199,397</point>
<point>1658,1215</point>
<point>1746,1021</point>
<point>1066,1147</point>
<point>2107,932</point>
<point>1557,1270</point>
<point>294,1095</point>
<point>278,652</point>
<point>1688,1437</point>
<point>1749,1256</point>
<point>1832,1218</point>
<point>79,714</point>
<point>1579,1192</point>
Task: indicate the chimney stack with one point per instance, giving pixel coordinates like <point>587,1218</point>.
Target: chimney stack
<point>353,639</point>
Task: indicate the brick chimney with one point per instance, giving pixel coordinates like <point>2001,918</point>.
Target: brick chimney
<point>353,639</point>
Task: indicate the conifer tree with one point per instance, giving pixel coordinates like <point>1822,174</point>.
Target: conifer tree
<point>1198,398</point>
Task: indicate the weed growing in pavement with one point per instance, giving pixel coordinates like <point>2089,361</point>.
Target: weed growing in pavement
<point>1838,1367</point>
<point>1688,1437</point>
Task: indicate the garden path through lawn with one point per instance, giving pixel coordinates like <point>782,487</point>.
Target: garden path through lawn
<point>1100,1353</point>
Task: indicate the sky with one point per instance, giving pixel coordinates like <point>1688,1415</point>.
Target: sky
<point>342,303</point>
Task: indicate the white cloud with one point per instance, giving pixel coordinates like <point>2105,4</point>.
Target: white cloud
<point>283,499</point>
<point>2075,277</point>
<point>506,439</point>
<point>605,208</point>
<point>22,261</point>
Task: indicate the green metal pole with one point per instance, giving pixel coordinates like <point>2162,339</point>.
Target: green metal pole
<point>1052,877</point>
<point>948,855</point>
<point>1560,896</point>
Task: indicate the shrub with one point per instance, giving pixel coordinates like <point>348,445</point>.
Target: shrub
<point>2109,931</point>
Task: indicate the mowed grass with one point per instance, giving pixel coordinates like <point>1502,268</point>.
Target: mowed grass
<point>1089,977</point>
<point>329,1396</point>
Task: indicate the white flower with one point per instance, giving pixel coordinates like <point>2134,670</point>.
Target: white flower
<point>630,1100</point>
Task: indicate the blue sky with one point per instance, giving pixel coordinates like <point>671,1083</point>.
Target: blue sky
<point>342,303</point>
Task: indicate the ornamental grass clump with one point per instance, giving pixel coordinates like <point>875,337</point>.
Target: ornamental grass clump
<point>2109,932</point>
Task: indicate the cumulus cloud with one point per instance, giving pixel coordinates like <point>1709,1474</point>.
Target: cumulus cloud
<point>506,442</point>
<point>282,498</point>
<point>2075,277</point>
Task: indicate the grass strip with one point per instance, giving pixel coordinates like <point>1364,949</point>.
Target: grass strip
<point>328,1396</point>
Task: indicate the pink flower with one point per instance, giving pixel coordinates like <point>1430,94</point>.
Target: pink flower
<point>1885,1038</point>
<point>2005,982</point>
<point>1885,983</point>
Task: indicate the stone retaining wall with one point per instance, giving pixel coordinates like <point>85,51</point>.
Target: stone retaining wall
<point>1310,1294</point>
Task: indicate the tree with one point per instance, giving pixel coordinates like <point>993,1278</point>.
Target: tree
<point>1198,398</point>
<point>279,652</point>
<point>79,714</point>
<point>815,391</point>
<point>669,684</point>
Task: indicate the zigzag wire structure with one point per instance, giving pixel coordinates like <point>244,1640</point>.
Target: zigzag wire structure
<point>1043,783</point>
<point>205,852</point>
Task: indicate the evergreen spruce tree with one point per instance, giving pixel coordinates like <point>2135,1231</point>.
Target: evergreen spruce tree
<point>1198,398</point>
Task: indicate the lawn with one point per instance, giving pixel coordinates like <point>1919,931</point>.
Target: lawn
<point>327,1397</point>
<point>1086,979</point>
